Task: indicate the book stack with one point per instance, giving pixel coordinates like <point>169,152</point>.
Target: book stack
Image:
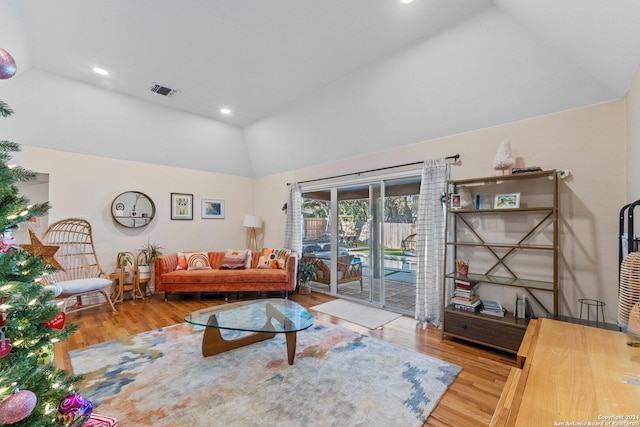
<point>465,296</point>
<point>493,308</point>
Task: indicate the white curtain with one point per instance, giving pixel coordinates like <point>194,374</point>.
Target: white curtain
<point>293,231</point>
<point>431,247</point>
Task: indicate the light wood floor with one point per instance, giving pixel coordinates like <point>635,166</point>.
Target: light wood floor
<point>470,401</point>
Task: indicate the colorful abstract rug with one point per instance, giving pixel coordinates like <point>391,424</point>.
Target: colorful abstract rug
<point>160,378</point>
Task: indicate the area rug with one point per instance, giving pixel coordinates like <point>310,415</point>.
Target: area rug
<point>339,377</point>
<point>360,314</point>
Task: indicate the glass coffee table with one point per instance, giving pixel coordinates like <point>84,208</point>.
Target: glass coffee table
<point>264,318</point>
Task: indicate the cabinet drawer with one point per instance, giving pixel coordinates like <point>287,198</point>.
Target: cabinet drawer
<point>498,333</point>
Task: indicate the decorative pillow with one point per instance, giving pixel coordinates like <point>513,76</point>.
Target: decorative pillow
<point>237,258</point>
<point>232,262</point>
<point>193,261</point>
<point>273,258</point>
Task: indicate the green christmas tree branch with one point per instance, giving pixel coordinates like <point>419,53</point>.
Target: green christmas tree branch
<point>28,305</point>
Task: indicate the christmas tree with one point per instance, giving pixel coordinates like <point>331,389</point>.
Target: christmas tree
<point>31,388</point>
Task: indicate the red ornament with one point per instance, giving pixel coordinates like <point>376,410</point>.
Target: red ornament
<point>8,65</point>
<point>57,322</point>
<point>17,407</point>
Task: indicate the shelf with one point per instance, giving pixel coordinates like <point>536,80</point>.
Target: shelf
<point>502,211</point>
<point>490,239</point>
<point>511,177</point>
<point>502,245</point>
<point>540,285</point>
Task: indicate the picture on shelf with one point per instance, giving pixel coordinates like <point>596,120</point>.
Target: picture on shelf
<point>507,201</point>
<point>455,201</point>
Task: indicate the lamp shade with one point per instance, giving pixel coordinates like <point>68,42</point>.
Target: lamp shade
<point>252,221</point>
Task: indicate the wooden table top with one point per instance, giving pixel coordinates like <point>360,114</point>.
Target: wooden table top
<point>580,374</point>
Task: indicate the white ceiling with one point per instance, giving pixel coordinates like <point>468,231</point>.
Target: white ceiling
<point>269,59</point>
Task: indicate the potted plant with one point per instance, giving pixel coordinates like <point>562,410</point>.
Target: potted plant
<point>306,272</point>
<point>146,255</point>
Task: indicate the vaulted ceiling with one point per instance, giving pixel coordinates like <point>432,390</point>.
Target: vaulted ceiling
<point>364,75</point>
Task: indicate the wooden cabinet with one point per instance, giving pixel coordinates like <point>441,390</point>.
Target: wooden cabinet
<point>512,250</point>
<point>497,332</point>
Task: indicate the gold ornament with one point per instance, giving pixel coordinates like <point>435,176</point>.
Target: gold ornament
<point>47,252</point>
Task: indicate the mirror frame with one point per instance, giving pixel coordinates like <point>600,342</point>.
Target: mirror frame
<point>124,216</point>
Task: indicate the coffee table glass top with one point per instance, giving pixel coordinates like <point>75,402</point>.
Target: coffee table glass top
<point>250,316</point>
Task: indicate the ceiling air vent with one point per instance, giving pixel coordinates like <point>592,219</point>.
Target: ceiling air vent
<point>163,90</point>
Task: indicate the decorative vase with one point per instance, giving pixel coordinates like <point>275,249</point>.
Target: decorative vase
<point>145,271</point>
<point>305,288</point>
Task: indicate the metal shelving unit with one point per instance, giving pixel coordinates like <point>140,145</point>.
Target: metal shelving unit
<point>516,232</point>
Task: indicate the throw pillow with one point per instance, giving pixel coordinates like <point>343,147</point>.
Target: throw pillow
<point>193,261</point>
<point>273,258</point>
<point>243,253</point>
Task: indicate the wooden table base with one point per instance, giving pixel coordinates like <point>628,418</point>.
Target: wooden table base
<point>214,343</point>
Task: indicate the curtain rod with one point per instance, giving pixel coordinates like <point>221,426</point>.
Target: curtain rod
<point>454,157</point>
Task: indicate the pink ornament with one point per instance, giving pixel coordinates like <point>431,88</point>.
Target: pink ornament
<point>72,408</point>
<point>8,65</point>
<point>17,407</point>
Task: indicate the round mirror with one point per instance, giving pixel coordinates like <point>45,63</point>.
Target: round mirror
<point>133,209</point>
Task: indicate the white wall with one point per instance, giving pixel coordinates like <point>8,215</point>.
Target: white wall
<point>590,142</point>
<point>446,85</point>
<point>633,140</point>
<point>84,186</point>
<point>55,112</point>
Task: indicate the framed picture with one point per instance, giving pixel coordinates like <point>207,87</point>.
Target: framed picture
<point>181,206</point>
<point>507,201</point>
<point>212,209</point>
<point>455,201</point>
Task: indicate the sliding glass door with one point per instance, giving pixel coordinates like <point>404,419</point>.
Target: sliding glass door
<point>361,236</point>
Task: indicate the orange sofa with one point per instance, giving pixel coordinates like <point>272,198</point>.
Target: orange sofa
<point>168,279</point>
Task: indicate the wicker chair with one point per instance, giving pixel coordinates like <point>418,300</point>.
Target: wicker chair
<point>83,275</point>
<point>348,271</point>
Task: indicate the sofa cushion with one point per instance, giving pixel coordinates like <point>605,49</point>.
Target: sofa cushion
<point>225,277</point>
<point>273,258</point>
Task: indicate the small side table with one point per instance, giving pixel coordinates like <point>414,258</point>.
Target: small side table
<point>599,305</point>
<point>120,287</point>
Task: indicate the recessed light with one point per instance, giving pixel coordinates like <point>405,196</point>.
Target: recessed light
<point>406,1</point>
<point>226,111</point>
<point>100,71</point>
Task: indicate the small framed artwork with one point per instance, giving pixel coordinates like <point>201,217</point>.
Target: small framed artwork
<point>212,209</point>
<point>181,206</point>
<point>455,201</point>
<point>507,201</point>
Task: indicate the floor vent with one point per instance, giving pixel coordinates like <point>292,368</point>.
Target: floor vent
<point>163,90</point>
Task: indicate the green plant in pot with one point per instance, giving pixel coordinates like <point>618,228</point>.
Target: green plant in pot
<point>306,272</point>
<point>146,255</point>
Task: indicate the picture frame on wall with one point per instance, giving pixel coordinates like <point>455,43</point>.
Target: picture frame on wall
<point>181,206</point>
<point>507,201</point>
<point>212,208</point>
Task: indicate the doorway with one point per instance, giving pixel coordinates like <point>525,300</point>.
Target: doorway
<point>364,235</point>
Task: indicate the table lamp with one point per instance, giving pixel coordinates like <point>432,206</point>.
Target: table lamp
<point>252,222</point>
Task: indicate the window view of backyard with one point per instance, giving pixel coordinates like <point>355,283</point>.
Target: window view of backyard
<point>372,241</point>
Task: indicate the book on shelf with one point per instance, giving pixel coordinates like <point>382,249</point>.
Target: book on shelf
<point>464,284</point>
<point>492,308</point>
<point>473,302</point>
<point>469,308</point>
<point>465,293</point>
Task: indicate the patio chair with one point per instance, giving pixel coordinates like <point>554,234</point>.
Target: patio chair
<point>348,271</point>
<point>83,276</point>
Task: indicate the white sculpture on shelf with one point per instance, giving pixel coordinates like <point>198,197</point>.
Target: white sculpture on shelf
<point>504,159</point>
